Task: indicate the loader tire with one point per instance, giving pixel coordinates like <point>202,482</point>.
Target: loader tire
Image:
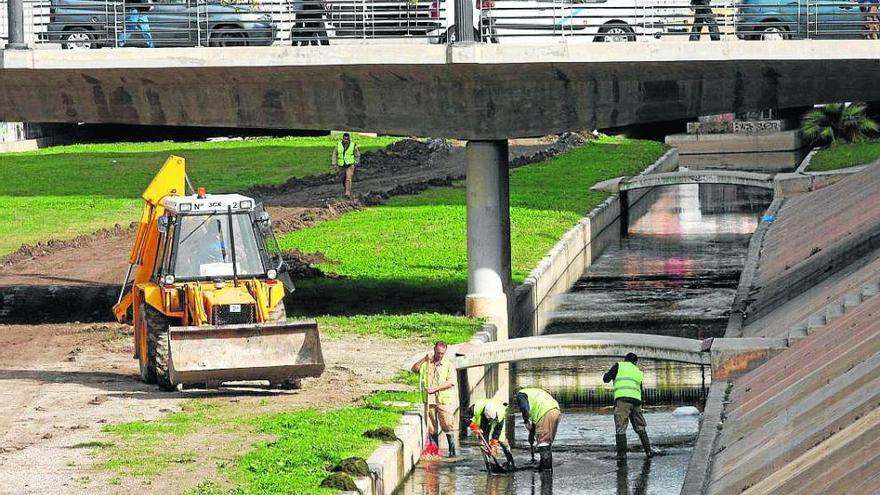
<point>147,371</point>
<point>278,314</point>
<point>157,346</point>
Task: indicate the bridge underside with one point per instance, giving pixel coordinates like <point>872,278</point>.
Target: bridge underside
<point>481,92</point>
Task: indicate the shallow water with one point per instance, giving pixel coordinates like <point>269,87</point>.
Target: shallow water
<point>583,458</point>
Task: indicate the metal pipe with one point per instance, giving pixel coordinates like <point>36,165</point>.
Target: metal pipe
<point>464,21</point>
<point>15,14</point>
<point>232,246</point>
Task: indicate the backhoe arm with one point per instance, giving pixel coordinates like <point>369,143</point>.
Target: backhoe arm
<point>169,181</point>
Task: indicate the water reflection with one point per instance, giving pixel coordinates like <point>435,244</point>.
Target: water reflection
<point>675,273</point>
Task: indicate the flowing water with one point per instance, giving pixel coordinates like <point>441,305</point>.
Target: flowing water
<point>674,274</point>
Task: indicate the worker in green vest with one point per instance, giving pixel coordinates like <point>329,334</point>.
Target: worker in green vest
<point>628,403</point>
<point>489,416</point>
<point>345,156</point>
<point>540,413</point>
<point>436,381</point>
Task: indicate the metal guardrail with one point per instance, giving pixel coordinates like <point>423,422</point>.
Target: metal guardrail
<point>162,23</point>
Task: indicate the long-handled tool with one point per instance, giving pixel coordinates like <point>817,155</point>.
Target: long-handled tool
<point>492,464</point>
<point>532,445</point>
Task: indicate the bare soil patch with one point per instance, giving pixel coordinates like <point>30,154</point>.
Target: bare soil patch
<point>63,383</point>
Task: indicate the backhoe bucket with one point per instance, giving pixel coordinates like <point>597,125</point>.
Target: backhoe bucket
<point>277,352</point>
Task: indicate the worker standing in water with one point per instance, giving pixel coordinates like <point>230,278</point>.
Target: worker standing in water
<point>436,381</point>
<point>540,413</point>
<point>489,415</point>
<point>627,379</point>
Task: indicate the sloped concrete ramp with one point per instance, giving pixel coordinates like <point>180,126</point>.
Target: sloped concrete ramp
<point>813,406</point>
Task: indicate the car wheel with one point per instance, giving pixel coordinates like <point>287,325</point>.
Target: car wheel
<point>615,33</point>
<point>78,39</point>
<point>449,36</point>
<point>229,37</point>
<point>767,33</point>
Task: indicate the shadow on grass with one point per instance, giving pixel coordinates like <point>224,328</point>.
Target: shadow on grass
<point>356,296</point>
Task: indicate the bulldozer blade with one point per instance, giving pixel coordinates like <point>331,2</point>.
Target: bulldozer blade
<point>277,352</point>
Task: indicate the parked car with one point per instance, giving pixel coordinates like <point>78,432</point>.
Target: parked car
<point>97,23</point>
<point>798,19</point>
<point>578,20</point>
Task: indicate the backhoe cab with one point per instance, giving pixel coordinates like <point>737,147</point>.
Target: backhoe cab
<point>204,291</point>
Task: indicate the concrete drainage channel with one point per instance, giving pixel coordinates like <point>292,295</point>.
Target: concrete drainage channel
<point>392,462</point>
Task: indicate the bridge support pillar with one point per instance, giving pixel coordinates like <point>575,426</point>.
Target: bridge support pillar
<point>488,233</point>
<point>15,16</point>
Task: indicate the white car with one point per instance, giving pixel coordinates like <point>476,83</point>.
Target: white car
<point>524,21</point>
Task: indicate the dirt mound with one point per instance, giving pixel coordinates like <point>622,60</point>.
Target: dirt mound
<point>400,155</point>
<point>30,251</point>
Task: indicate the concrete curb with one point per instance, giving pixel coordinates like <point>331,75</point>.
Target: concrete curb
<point>700,465</point>
<point>391,462</point>
<point>571,256</point>
<point>747,276</point>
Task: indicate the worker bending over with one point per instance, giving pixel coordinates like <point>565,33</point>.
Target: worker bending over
<point>628,403</point>
<point>489,416</point>
<point>540,413</point>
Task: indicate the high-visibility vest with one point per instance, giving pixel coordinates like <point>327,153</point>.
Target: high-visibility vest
<point>539,403</point>
<point>344,156</point>
<point>628,382</point>
<point>480,406</point>
<point>446,371</point>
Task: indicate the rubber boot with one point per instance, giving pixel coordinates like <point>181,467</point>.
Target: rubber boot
<point>451,441</point>
<point>510,466</point>
<point>546,461</point>
<point>646,444</point>
<point>621,446</point>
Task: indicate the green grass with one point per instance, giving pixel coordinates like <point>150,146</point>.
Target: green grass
<point>845,155</point>
<point>304,444</point>
<point>423,326</point>
<point>64,191</point>
<point>411,253</point>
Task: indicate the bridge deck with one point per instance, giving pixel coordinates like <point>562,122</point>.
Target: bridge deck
<point>584,345</point>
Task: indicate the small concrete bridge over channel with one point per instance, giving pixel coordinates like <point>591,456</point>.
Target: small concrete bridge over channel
<point>726,357</point>
<point>735,178</point>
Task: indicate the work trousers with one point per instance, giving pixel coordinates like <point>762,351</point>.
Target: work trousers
<point>440,418</point>
<point>545,430</point>
<point>627,411</point>
<point>347,174</point>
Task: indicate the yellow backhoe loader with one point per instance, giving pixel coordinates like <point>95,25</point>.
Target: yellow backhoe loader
<point>204,291</point>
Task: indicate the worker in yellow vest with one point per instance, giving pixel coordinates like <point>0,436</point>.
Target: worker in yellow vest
<point>628,403</point>
<point>345,156</point>
<point>436,381</point>
<point>540,413</point>
<point>489,416</point>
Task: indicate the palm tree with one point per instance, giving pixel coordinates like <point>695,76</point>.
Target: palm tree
<point>838,122</point>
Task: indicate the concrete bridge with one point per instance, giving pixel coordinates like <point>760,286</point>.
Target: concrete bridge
<point>468,91</point>
<point>746,179</point>
<point>726,357</point>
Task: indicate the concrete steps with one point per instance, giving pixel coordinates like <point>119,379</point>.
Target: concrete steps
<point>832,311</point>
